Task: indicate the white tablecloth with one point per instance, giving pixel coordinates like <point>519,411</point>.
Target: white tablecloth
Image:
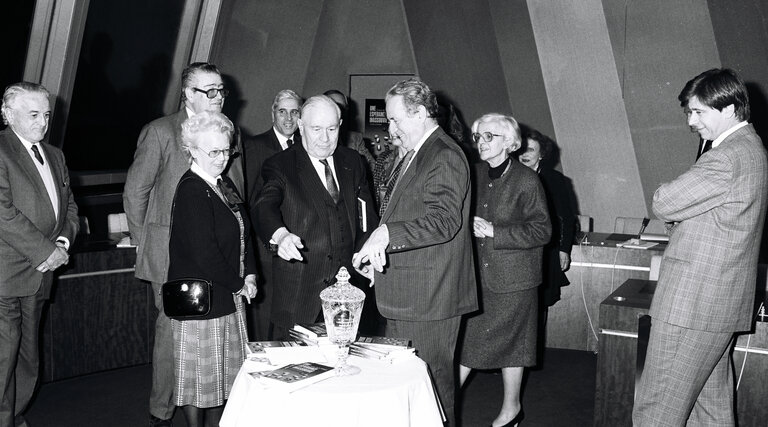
<point>386,395</point>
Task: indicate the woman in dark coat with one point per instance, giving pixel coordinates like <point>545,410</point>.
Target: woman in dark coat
<point>511,227</point>
<point>209,240</point>
<point>557,253</point>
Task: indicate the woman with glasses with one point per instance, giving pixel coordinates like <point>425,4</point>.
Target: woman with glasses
<point>209,240</point>
<point>511,226</point>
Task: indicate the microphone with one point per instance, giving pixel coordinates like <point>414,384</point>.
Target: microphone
<point>642,227</point>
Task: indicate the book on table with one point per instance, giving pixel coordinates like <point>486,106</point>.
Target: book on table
<point>310,333</point>
<point>386,342</point>
<point>312,330</point>
<point>385,349</point>
<point>294,376</point>
<point>257,347</point>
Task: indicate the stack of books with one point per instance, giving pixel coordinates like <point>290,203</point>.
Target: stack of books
<point>384,349</point>
<point>310,333</point>
<point>255,349</point>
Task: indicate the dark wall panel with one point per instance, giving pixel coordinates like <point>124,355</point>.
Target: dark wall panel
<point>520,63</point>
<point>457,54</point>
<point>358,37</point>
<point>653,66</point>
<point>263,47</point>
<point>741,33</point>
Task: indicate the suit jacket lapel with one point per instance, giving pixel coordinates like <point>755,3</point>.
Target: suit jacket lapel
<point>314,188</point>
<point>346,182</point>
<point>29,167</point>
<point>410,174</point>
<point>58,172</point>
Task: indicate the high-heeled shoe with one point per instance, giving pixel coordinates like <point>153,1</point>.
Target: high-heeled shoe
<point>514,421</point>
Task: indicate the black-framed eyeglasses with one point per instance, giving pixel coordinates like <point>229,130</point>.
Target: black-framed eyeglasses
<point>487,136</point>
<point>211,93</point>
<point>229,152</point>
<point>285,113</point>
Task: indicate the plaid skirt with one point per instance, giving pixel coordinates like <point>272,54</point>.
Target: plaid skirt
<point>207,354</point>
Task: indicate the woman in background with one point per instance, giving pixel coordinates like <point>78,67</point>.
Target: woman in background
<point>538,156</point>
<point>209,240</point>
<point>511,227</point>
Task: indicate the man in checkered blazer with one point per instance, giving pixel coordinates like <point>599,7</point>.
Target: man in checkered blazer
<point>707,280</point>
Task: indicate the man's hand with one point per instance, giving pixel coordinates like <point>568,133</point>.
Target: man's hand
<point>482,228</point>
<point>373,252</point>
<point>288,244</point>
<point>565,261</point>
<point>366,271</point>
<point>55,260</point>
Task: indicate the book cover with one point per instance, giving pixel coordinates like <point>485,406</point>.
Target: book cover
<point>312,330</point>
<point>380,355</point>
<point>257,347</point>
<point>385,341</point>
<point>296,335</point>
<point>362,214</point>
<point>294,376</point>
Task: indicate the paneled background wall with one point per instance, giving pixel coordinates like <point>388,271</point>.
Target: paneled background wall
<point>599,76</point>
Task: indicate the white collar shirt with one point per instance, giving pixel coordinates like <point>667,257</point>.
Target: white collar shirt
<point>45,173</point>
<point>727,133</point>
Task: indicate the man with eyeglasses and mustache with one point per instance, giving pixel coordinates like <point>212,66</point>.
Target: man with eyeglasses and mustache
<point>157,167</point>
<point>282,134</point>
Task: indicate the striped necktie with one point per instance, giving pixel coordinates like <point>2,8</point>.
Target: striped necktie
<point>396,175</point>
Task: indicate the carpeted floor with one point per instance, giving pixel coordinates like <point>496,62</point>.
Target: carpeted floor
<point>560,393</point>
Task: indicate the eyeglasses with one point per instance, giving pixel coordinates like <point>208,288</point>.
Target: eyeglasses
<point>211,93</point>
<point>285,113</point>
<point>487,136</point>
<point>215,153</point>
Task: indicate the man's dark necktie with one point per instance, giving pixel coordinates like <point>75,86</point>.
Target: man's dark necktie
<point>230,196</point>
<point>38,156</point>
<point>330,183</point>
<point>396,174</point>
<point>289,142</point>
<point>707,147</point>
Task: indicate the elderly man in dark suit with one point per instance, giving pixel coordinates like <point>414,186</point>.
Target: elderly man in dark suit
<point>706,285</point>
<point>425,231</point>
<point>157,166</point>
<point>38,222</point>
<point>282,134</point>
<point>309,210</point>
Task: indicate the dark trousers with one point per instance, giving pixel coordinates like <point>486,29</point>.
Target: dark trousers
<point>19,355</point>
<point>435,343</point>
<point>161,402</point>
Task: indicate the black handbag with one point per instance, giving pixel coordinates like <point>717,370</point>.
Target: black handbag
<point>186,299</point>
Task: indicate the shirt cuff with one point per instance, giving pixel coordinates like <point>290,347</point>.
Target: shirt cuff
<point>64,241</point>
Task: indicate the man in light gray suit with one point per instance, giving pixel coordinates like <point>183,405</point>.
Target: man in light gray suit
<point>706,286</point>
<point>157,166</point>
<point>425,231</point>
<point>38,222</point>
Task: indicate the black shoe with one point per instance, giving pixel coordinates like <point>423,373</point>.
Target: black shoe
<point>157,422</point>
<point>514,421</point>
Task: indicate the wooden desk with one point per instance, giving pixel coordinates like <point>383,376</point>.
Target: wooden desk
<point>597,269</point>
<point>99,317</point>
<point>382,395</point>
<point>617,359</point>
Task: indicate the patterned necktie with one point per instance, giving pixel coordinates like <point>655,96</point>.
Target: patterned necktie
<point>396,175</point>
<point>37,154</point>
<point>289,142</point>
<point>330,183</point>
<point>230,196</point>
